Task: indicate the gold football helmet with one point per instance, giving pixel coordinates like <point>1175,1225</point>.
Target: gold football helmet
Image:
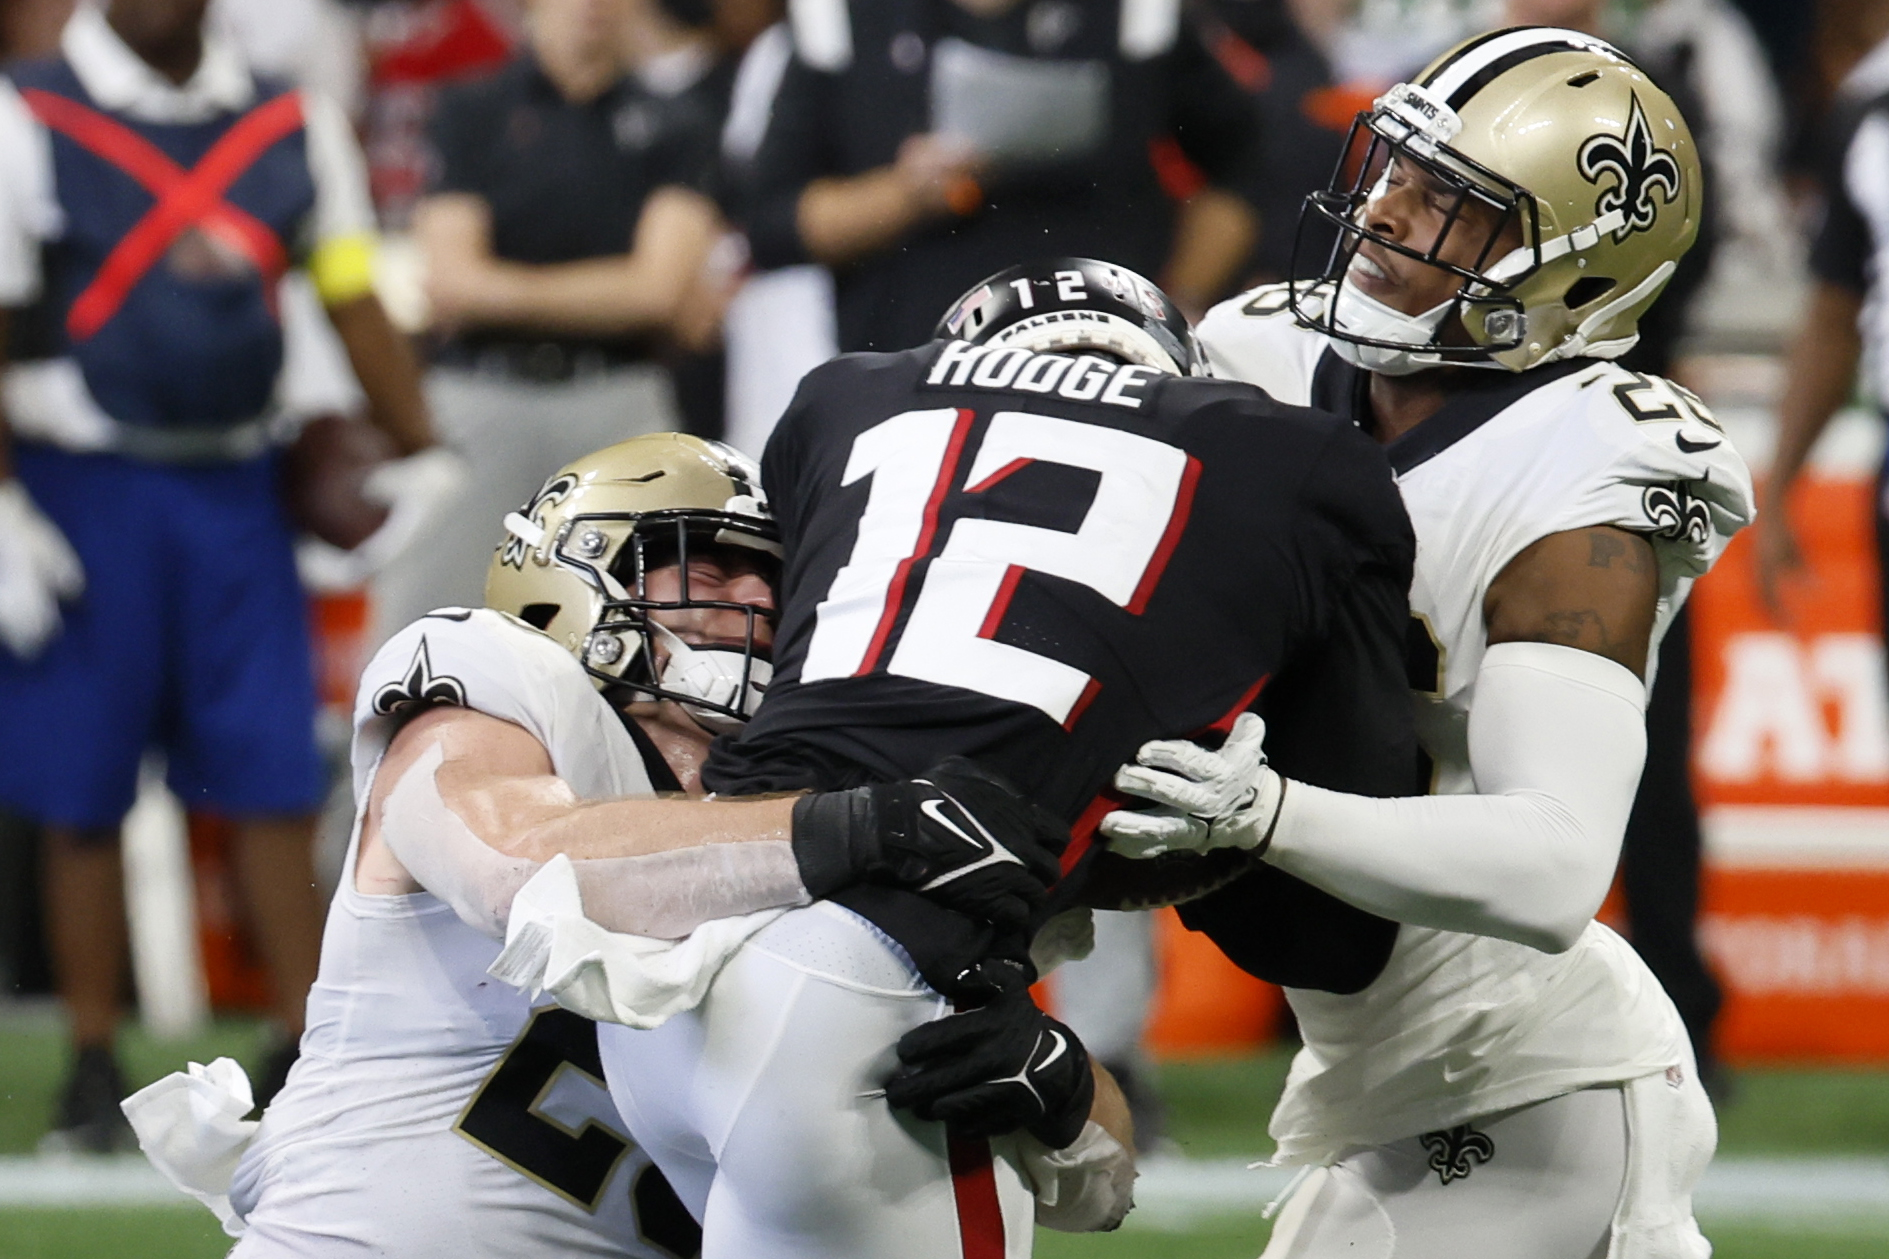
<point>1559,134</point>
<point>575,560</point>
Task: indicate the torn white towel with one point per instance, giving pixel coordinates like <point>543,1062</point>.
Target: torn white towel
<point>606,975</point>
<point>190,1125</point>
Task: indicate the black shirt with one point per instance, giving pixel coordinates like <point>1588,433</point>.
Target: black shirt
<point>1104,203</point>
<point>1044,583</point>
<point>1845,251</point>
<point>564,181</point>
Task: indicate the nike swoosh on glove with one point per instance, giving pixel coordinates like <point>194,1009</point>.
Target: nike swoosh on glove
<point>38,568</point>
<point>996,1069</point>
<point>960,836</point>
<point>1207,798</point>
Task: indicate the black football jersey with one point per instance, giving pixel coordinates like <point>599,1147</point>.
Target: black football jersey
<point>1042,561</point>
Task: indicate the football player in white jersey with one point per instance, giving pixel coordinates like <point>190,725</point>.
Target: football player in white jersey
<point>1515,1082</point>
<point>434,1112</point>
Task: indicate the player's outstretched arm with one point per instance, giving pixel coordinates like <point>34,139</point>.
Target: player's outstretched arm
<point>467,806</point>
<point>1557,739</point>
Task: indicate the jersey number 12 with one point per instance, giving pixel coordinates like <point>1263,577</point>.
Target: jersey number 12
<point>1132,526</point>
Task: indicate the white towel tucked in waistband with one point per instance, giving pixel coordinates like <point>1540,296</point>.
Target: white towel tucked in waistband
<point>190,1125</point>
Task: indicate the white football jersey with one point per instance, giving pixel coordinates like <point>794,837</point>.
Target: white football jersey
<point>434,1112</point>
<point>1461,1025</point>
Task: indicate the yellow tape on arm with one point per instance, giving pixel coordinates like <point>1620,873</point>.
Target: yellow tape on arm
<point>343,268</point>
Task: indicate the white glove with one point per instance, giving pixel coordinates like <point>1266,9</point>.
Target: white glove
<point>416,491</point>
<point>1208,799</point>
<point>38,568</point>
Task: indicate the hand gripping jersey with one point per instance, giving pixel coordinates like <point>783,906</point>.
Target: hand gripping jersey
<point>434,1112</point>
<point>1043,560</point>
<point>1461,1025</point>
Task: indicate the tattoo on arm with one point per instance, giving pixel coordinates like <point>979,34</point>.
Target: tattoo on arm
<point>1587,629</point>
<point>1608,546</point>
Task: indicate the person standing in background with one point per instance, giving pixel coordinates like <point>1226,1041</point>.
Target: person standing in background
<point>1843,317</point>
<point>918,145</point>
<point>154,192</point>
<point>563,232</point>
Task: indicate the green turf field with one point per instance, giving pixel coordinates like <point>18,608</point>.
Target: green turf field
<point>1218,1110</point>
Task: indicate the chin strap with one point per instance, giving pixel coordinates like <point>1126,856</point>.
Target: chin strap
<point>1577,343</point>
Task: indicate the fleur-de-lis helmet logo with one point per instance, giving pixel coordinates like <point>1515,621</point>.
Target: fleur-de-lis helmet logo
<point>554,491</point>
<point>1638,167</point>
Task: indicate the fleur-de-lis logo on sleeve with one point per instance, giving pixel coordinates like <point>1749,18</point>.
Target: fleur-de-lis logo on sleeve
<point>1638,167</point>
<point>420,686</point>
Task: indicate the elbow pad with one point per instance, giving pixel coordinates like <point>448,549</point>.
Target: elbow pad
<point>1086,1187</point>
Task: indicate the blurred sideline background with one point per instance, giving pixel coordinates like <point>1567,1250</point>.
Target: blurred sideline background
<point>1790,763</point>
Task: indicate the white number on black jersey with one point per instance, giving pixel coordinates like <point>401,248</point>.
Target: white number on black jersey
<point>1140,507</point>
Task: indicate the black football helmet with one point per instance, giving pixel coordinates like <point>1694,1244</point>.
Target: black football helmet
<point>1072,304</point>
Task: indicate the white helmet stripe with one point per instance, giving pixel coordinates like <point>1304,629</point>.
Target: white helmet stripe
<point>1506,50</point>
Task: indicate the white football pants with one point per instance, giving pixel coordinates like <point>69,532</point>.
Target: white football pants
<point>1603,1173</point>
<point>761,1106</point>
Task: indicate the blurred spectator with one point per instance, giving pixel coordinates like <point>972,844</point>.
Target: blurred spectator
<point>563,233</point>
<point>1262,48</point>
<point>147,588</point>
<point>690,52</point>
<point>412,48</point>
<point>917,146</point>
<point>1845,314</point>
<point>780,323</point>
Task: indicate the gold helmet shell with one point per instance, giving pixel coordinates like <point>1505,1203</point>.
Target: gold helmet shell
<point>1572,142</point>
<point>574,558</point>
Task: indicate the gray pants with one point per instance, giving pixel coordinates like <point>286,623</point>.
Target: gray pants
<point>515,434</point>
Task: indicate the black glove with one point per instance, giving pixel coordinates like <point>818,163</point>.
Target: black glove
<point>961,836</point>
<point>966,962</point>
<point>995,1069</point>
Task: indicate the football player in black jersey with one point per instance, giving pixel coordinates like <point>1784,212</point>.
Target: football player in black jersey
<point>1038,542</point>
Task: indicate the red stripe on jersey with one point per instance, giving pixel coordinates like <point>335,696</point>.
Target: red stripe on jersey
<point>1170,537</point>
<point>1001,604</point>
<point>974,1183</point>
<point>1225,724</point>
<point>1082,834</point>
<point>1015,465</point>
<point>1083,701</point>
<point>895,590</point>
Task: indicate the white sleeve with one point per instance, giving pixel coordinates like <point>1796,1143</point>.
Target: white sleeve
<point>343,206</point>
<point>1557,738</point>
<point>664,895</point>
<point>29,210</point>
